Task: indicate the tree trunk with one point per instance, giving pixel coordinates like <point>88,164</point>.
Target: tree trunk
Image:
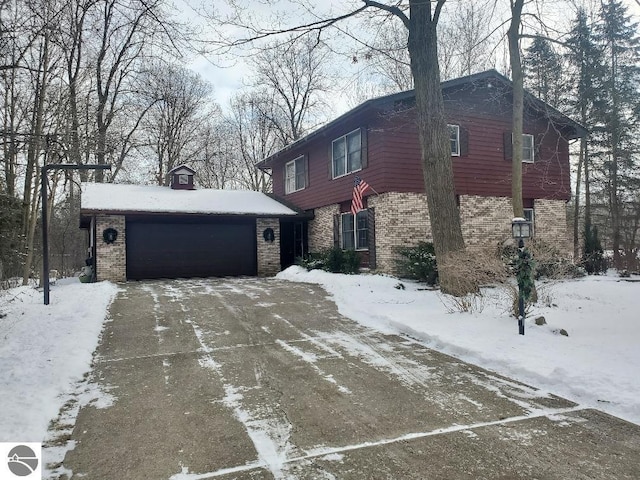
<point>434,138</point>
<point>518,105</point>
<point>576,206</point>
<point>30,193</point>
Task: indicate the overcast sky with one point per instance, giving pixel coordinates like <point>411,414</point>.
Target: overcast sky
<point>228,75</point>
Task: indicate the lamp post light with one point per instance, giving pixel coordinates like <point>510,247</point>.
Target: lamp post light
<point>520,229</point>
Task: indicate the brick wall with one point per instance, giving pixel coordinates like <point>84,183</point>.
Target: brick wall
<point>486,221</point>
<point>551,224</point>
<point>402,219</point>
<point>111,258</point>
<point>268,252</point>
<point>321,228</point>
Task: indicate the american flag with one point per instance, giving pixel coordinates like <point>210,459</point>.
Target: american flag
<point>359,187</point>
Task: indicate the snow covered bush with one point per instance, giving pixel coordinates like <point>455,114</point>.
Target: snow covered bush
<point>418,263</point>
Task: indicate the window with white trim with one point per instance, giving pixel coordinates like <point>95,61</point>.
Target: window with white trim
<point>347,154</point>
<point>295,176</point>
<point>454,139</point>
<point>528,148</point>
<point>355,231</point>
<point>529,216</point>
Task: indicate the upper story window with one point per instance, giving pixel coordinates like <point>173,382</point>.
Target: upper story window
<point>347,154</point>
<point>527,148</point>
<point>295,175</point>
<point>454,136</point>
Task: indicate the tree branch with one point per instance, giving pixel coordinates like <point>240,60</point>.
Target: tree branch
<point>319,25</point>
<point>394,10</point>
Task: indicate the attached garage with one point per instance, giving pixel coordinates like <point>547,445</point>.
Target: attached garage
<point>141,232</point>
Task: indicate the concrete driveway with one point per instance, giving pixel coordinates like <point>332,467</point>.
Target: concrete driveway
<point>262,379</point>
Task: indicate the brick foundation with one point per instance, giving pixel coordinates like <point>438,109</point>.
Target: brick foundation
<point>111,259</point>
<point>268,252</point>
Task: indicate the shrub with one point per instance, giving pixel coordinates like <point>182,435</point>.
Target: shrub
<point>333,260</point>
<point>418,263</point>
<point>593,259</point>
<point>549,261</point>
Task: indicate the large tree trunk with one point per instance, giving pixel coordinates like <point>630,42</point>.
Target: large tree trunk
<point>30,192</point>
<point>434,138</point>
<point>518,105</point>
<point>576,205</point>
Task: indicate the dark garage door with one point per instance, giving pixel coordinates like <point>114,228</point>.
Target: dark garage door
<point>190,247</point>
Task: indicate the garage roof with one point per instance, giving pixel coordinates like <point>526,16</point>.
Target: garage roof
<point>120,198</point>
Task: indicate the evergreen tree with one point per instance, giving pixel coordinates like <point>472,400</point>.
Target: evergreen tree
<point>584,59</point>
<point>543,72</point>
<point>618,115</point>
<point>593,256</point>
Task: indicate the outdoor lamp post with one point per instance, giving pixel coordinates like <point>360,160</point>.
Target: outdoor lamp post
<point>520,229</point>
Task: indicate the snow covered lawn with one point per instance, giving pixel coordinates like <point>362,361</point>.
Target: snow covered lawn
<point>597,365</point>
<point>44,351</point>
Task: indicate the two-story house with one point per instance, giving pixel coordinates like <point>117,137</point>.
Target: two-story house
<point>378,142</point>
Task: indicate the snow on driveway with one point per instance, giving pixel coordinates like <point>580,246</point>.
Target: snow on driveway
<point>596,365</point>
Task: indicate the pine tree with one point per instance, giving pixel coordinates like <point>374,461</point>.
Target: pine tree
<point>618,144</point>
<point>543,72</point>
<point>584,59</point>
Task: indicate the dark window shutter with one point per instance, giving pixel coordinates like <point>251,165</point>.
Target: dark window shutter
<point>306,170</point>
<point>464,141</point>
<point>364,141</point>
<point>371,225</point>
<point>508,146</point>
<point>330,162</point>
<point>284,178</point>
<point>336,230</point>
<point>537,146</point>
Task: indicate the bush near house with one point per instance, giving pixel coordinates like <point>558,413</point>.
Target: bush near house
<point>418,263</point>
<point>549,261</point>
<point>334,260</point>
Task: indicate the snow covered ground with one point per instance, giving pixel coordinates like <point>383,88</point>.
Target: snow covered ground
<point>44,352</point>
<point>597,365</point>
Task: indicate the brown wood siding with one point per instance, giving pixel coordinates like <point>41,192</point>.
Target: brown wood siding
<point>394,162</point>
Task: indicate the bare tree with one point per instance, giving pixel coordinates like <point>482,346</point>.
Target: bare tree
<point>178,97</point>
<point>255,137</point>
<point>294,75</point>
<point>215,158</point>
<point>126,30</point>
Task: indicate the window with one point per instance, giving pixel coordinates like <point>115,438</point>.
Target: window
<point>355,231</point>
<point>295,175</point>
<point>527,148</point>
<point>454,135</point>
<point>529,216</point>
<point>183,179</point>
<point>347,154</point>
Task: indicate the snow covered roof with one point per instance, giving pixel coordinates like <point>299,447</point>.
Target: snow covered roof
<point>116,198</point>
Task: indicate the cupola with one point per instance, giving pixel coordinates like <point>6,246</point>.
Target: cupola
<point>181,178</point>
